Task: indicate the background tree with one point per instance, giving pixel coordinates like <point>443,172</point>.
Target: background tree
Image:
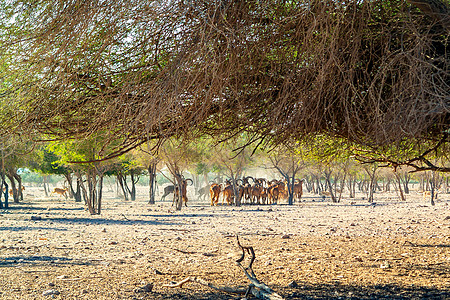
<point>176,155</point>
<point>45,162</point>
<point>75,155</point>
<point>288,162</point>
<point>128,171</point>
<point>150,161</point>
<point>16,155</point>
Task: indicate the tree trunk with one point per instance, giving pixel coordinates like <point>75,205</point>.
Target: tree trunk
<point>46,189</point>
<point>19,186</point>
<point>99,194</point>
<point>237,201</point>
<point>77,193</point>
<point>406,178</point>
<point>13,186</point>
<point>330,186</point>
<point>290,185</point>
<point>178,198</point>
<point>84,192</point>
<point>152,182</point>
<point>372,182</point>
<point>132,191</point>
<point>90,193</point>
<point>120,180</point>
<point>433,186</point>
<point>74,192</point>
<point>399,183</point>
<point>351,187</point>
<point>5,193</point>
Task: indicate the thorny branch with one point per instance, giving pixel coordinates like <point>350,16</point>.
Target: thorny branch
<point>412,162</point>
<point>368,72</point>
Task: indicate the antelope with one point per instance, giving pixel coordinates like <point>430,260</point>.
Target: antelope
<point>228,194</point>
<point>273,191</point>
<point>184,197</point>
<point>298,189</point>
<point>427,194</point>
<point>10,191</point>
<point>256,194</point>
<point>325,193</point>
<point>60,192</point>
<point>247,188</point>
<point>202,192</point>
<point>264,195</point>
<point>168,190</point>
<point>214,191</point>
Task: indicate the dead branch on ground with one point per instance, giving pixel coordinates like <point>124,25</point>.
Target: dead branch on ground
<point>257,288</point>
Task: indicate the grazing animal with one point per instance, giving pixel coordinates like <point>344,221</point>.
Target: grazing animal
<point>427,194</point>
<point>60,192</point>
<point>167,191</point>
<point>214,191</point>
<point>325,193</point>
<point>264,195</point>
<point>184,197</point>
<point>273,192</point>
<point>202,192</point>
<point>10,191</point>
<point>298,189</point>
<point>256,194</point>
<point>247,188</point>
<point>241,192</point>
<point>228,194</point>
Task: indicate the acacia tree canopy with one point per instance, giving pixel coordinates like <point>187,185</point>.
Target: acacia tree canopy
<point>372,72</point>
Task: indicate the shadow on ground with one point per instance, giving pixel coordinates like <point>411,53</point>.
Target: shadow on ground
<point>27,261</point>
<point>318,292</point>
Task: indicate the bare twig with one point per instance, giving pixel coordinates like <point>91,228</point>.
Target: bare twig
<point>258,289</point>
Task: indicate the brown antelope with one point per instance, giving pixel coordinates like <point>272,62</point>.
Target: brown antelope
<point>184,197</point>
<point>60,192</point>
<point>298,189</point>
<point>214,191</point>
<point>273,192</point>
<point>264,195</point>
<point>256,194</point>
<point>167,190</point>
<point>10,191</point>
<point>228,194</point>
<point>427,194</point>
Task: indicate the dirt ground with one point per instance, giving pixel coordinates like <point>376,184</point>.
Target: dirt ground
<point>52,248</point>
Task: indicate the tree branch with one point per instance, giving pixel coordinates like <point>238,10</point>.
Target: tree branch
<point>436,9</point>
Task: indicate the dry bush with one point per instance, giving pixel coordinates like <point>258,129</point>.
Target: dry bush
<point>373,72</point>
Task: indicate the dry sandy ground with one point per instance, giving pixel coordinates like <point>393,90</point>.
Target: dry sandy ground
<point>312,250</point>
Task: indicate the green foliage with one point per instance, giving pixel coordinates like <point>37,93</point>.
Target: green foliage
<point>47,162</point>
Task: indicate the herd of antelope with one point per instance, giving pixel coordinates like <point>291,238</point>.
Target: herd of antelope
<point>258,191</point>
